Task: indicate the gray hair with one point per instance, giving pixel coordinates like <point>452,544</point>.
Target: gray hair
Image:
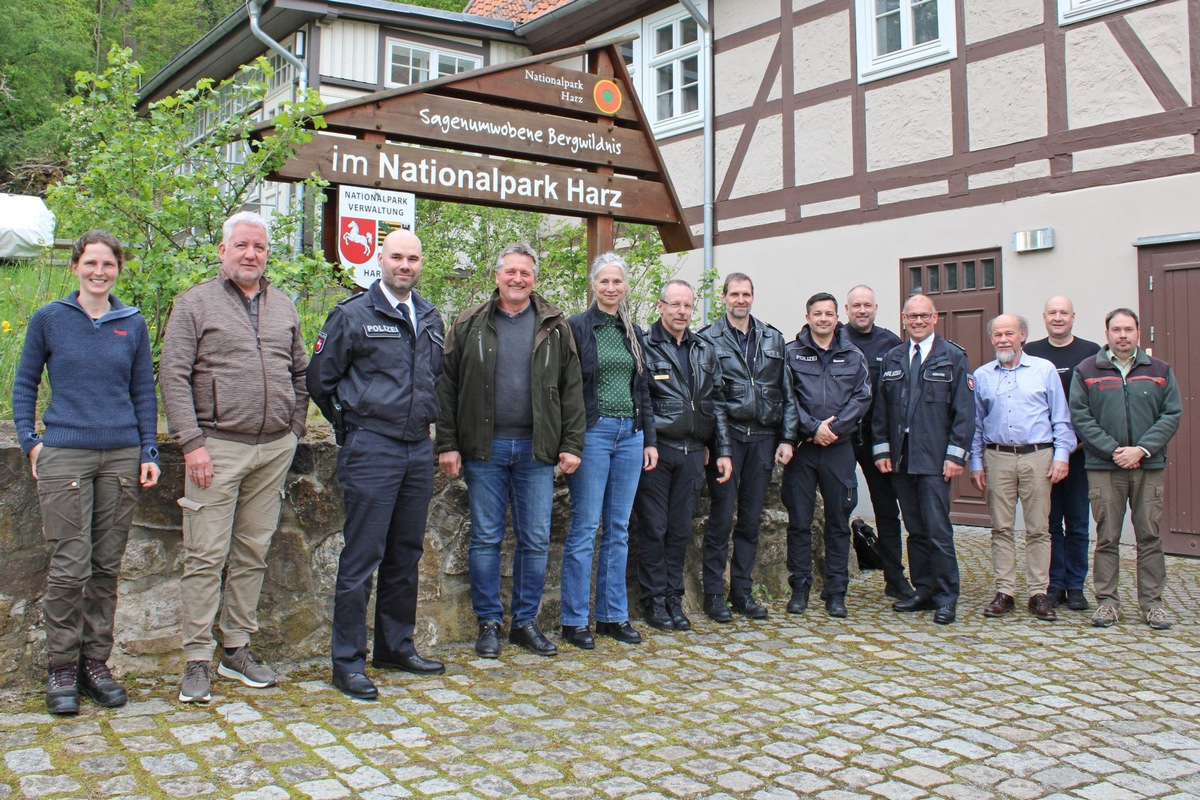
<point>251,218</point>
<point>662,293</point>
<point>1022,324</point>
<point>611,259</point>
<point>520,249</point>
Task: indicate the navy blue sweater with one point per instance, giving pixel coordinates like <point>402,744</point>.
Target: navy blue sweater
<point>101,379</point>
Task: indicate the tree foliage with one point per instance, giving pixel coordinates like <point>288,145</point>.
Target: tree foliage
<point>164,181</point>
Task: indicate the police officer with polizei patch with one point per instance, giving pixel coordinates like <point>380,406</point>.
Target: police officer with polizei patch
<point>922,426</point>
<point>373,374</point>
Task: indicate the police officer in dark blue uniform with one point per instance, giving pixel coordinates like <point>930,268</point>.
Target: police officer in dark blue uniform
<point>832,393</point>
<point>923,422</point>
<point>373,375</point>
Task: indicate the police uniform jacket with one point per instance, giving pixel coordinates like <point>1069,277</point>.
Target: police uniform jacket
<point>874,345</point>
<point>758,402</point>
<point>583,328</point>
<point>833,384</point>
<point>942,419</point>
<point>686,417</point>
<point>368,359</point>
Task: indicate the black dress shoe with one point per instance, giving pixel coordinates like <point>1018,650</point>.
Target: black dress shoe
<point>835,606</point>
<point>412,662</point>
<point>579,635</point>
<point>96,682</point>
<point>915,603</point>
<point>715,608</point>
<point>656,615</point>
<point>530,637</point>
<point>621,631</point>
<point>356,685</point>
<point>798,602</point>
<point>62,689</point>
<point>899,589</point>
<point>944,615</point>
<point>1077,600</point>
<point>488,643</point>
<point>742,602</point>
<point>679,620</point>
<point>1056,596</point>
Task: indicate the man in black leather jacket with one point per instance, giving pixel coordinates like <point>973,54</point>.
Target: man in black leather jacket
<point>833,391</point>
<point>762,426</point>
<point>689,420</point>
<point>374,369</point>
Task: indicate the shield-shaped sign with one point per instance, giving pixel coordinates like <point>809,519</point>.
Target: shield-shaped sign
<point>356,240</point>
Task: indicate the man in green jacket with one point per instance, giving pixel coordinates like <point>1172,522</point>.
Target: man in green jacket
<point>511,398</point>
<point>1125,407</point>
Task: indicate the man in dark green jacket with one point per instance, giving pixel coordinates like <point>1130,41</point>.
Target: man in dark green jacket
<point>511,398</point>
<point>1125,407</point>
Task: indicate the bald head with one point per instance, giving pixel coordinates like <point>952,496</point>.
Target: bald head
<point>1058,315</point>
<point>920,317</point>
<point>400,262</point>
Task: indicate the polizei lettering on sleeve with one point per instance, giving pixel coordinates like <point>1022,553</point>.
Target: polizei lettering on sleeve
<point>382,331</point>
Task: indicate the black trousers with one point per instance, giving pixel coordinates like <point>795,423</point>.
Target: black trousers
<point>887,515</point>
<point>746,492</point>
<point>666,501</point>
<point>932,562</point>
<point>387,485</point>
<point>831,469</point>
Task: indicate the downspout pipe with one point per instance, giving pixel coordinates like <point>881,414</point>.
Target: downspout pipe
<point>709,135</point>
<point>254,11</point>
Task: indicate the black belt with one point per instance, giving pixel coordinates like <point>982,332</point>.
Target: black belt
<point>1019,449</point>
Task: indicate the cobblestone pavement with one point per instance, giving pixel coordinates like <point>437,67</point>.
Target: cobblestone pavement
<point>880,705</point>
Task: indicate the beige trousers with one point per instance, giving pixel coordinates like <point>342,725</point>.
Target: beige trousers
<point>229,524</point>
<point>1011,477</point>
<point>1110,491</point>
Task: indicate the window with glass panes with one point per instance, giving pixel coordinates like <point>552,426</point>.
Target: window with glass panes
<point>409,64</point>
<point>896,36</point>
<point>674,63</point>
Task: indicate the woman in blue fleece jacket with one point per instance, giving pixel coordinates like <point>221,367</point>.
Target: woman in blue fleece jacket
<point>98,450</point>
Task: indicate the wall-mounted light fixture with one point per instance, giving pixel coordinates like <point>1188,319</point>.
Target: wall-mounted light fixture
<point>1036,239</point>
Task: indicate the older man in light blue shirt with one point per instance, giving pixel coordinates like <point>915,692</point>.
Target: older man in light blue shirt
<point>1022,446</point>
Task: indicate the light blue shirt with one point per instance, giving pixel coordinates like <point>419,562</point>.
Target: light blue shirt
<point>1022,405</point>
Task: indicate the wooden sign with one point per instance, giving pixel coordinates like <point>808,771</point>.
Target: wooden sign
<point>479,179</point>
<point>565,90</point>
<point>437,121</point>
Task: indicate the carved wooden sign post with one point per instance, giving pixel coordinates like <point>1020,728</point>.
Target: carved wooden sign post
<point>524,134</point>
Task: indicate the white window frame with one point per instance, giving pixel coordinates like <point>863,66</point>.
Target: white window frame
<point>1070,11</point>
<point>872,66</point>
<point>434,55</point>
<point>643,70</point>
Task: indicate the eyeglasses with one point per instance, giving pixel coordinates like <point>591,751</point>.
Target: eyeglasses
<point>677,306</point>
<point>922,316</point>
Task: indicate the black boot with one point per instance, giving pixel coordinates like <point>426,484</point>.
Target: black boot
<point>798,603</point>
<point>97,682</point>
<point>741,601</point>
<point>715,608</point>
<point>656,615</point>
<point>62,689</point>
<point>835,605</point>
<point>679,620</point>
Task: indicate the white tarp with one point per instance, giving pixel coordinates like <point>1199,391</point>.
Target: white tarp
<point>26,226</point>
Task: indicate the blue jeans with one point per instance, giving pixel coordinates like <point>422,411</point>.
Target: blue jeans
<point>510,476</point>
<point>603,487</point>
<point>1069,518</point>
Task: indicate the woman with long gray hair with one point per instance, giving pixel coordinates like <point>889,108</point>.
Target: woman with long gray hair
<point>619,444</point>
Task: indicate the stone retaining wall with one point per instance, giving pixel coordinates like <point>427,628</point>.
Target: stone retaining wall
<point>296,606</point>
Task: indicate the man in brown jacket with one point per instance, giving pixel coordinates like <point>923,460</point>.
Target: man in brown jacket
<point>232,380</point>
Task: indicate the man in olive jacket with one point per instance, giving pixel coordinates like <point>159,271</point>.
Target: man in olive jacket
<point>1125,407</point>
<point>511,398</point>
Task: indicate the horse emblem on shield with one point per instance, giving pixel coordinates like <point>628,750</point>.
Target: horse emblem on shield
<point>356,240</point>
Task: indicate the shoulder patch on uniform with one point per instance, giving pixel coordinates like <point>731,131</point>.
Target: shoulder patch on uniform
<point>320,345</point>
<point>971,381</point>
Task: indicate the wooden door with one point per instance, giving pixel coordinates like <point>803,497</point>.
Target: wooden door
<point>965,289</point>
<point>1169,276</point>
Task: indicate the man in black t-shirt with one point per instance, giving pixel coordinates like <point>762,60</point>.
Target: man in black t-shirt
<point>1069,497</point>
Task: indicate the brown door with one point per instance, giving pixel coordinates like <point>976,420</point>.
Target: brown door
<point>965,289</point>
<point>1169,275</point>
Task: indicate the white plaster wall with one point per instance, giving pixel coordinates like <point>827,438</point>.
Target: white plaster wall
<point>1102,85</point>
<point>1165,147</point>
<point>1006,98</point>
<point>821,52</point>
<point>740,72</point>
<point>987,19</point>
<point>1163,28</point>
<point>684,159</point>
<point>726,140</point>
<point>824,141</point>
<point>762,168</point>
<point>909,121</point>
<point>730,16</point>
